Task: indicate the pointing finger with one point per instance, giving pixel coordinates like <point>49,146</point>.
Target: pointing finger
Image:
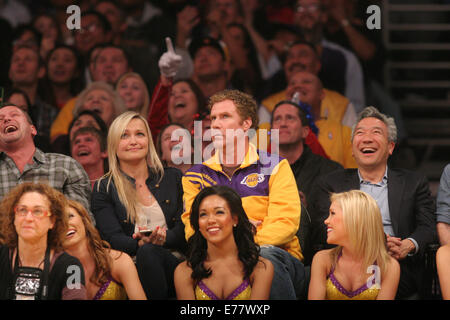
<point>169,45</point>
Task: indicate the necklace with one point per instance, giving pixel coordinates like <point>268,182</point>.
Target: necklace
<point>20,261</point>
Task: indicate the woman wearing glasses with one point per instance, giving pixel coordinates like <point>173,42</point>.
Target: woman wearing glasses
<point>33,265</point>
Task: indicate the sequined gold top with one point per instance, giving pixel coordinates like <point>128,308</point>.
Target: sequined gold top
<point>243,292</point>
<point>335,291</point>
<point>111,290</point>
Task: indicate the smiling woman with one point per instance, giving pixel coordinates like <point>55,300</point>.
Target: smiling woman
<point>138,195</point>
<point>223,261</point>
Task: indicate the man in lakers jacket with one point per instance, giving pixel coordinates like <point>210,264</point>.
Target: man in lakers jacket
<point>265,183</point>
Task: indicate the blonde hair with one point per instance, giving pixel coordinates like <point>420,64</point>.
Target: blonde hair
<point>144,108</point>
<point>362,220</point>
<point>125,189</point>
<point>117,101</point>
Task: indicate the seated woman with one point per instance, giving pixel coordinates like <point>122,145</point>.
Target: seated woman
<point>443,268</point>
<point>360,267</point>
<point>138,204</point>
<point>110,274</point>
<point>223,261</point>
<point>33,265</point>
<point>133,90</point>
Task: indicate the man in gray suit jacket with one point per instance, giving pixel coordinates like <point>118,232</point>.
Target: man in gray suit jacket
<point>403,196</point>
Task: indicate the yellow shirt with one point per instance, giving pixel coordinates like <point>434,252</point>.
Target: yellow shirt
<point>268,190</point>
<point>336,141</point>
<point>65,116</point>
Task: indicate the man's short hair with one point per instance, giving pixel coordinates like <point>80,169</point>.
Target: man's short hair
<point>103,46</point>
<point>41,62</point>
<point>99,135</point>
<point>301,113</point>
<point>300,42</point>
<point>9,104</point>
<point>372,112</point>
<point>246,105</point>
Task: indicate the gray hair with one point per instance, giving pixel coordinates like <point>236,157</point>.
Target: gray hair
<point>372,112</point>
<point>117,102</point>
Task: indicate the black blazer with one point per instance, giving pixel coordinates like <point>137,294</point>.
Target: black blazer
<point>111,216</point>
<point>411,206</point>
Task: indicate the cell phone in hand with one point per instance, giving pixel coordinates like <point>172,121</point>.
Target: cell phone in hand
<point>146,232</point>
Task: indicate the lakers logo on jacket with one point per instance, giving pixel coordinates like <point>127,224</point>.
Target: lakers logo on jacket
<point>252,180</point>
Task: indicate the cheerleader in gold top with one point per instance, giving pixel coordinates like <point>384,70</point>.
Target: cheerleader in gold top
<point>360,267</point>
<point>110,274</point>
<point>223,261</point>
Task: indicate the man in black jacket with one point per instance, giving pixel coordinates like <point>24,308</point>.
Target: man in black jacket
<point>292,125</point>
<point>403,196</point>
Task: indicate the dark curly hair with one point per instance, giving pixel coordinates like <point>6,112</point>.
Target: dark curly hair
<point>248,250</point>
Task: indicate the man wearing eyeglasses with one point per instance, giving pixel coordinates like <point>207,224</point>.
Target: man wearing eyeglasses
<point>95,29</point>
<point>21,161</point>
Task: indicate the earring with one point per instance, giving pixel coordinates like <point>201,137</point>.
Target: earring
<point>234,225</point>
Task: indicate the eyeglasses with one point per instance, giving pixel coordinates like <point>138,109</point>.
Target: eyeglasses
<point>310,8</point>
<point>37,212</point>
<point>89,28</point>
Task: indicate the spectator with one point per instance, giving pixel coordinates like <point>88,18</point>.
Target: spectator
<point>19,98</point>
<point>211,67</point>
<point>133,90</point>
<point>171,151</point>
<point>264,181</point>
<point>64,76</point>
<point>110,274</point>
<point>33,264</point>
<point>341,70</point>
<point>293,127</point>
<point>95,29</point>
<point>333,137</point>
<point>186,103</point>
<point>101,98</point>
<point>354,225</point>
<point>143,55</point>
<point>144,23</point>
<point>223,261</point>
<point>88,147</point>
<point>21,161</point>
<point>85,118</point>
<point>181,101</point>
<point>303,57</point>
<point>47,25</point>
<point>403,196</point>
<point>443,207</point>
<point>108,63</point>
<point>138,194</point>
<point>25,72</point>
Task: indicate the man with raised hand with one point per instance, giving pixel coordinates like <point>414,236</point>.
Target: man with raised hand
<point>264,181</point>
